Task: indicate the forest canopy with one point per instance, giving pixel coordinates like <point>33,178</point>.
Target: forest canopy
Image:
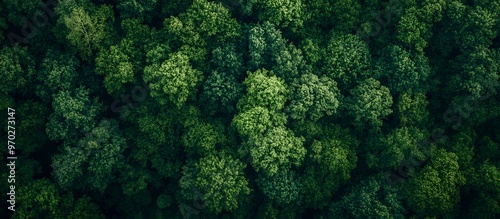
<point>250,108</point>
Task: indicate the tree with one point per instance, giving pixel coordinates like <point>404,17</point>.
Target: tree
<point>347,59</point>
<point>400,145</point>
<point>154,153</point>
<point>202,27</point>
<point>486,192</point>
<point>412,31</point>
<point>369,102</point>
<point>228,60</point>
<point>202,138</point>
<point>477,27</point>
<point>256,121</point>
<point>86,27</point>
<point>140,9</point>
<point>222,89</point>
<point>283,13</point>
<point>436,189</point>
<point>134,179</point>
<point>116,67</point>
<point>342,16</point>
<point>221,92</point>
<point>138,40</point>
<point>74,113</point>
<point>173,8</point>
<point>58,72</point>
<point>432,11</point>
<point>283,188</point>
<point>329,163</point>
<point>265,90</point>
<point>479,73</point>
<point>313,98</point>
<point>269,50</point>
<point>333,156</point>
<point>276,150</point>
<point>412,109</point>
<point>93,161</point>
<point>42,197</point>
<point>18,9</point>
<point>18,68</point>
<point>173,80</point>
<point>403,71</point>
<point>314,52</point>
<point>371,198</point>
<point>212,21</point>
<point>219,180</point>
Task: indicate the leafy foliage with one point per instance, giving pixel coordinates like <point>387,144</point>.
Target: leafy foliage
<point>371,198</point>
<point>219,180</point>
<point>74,112</point>
<point>93,162</point>
<point>174,79</point>
<point>348,59</point>
<point>370,102</point>
<point>86,26</point>
<point>278,148</point>
<point>17,68</point>
<point>251,108</point>
<point>315,98</point>
<point>282,188</point>
<point>435,188</point>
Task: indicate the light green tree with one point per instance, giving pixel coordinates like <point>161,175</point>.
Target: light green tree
<point>87,26</point>
<point>436,189</point>
<point>172,81</point>
<point>265,90</point>
<point>313,98</point>
<point>277,149</point>
<point>217,180</point>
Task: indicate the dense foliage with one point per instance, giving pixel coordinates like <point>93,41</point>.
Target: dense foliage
<point>252,109</point>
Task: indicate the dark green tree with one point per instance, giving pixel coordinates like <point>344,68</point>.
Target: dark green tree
<point>92,163</point>
<point>31,128</point>
<point>369,102</point>
<point>402,71</point>
<point>41,198</point>
<point>140,9</point>
<point>268,49</point>
<point>221,92</point>
<point>283,188</point>
<point>347,59</point>
<point>371,198</point>
<point>75,112</point>
<point>18,68</point>
<point>331,159</point>
<point>283,13</point>
<point>400,145</point>
<point>58,72</point>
